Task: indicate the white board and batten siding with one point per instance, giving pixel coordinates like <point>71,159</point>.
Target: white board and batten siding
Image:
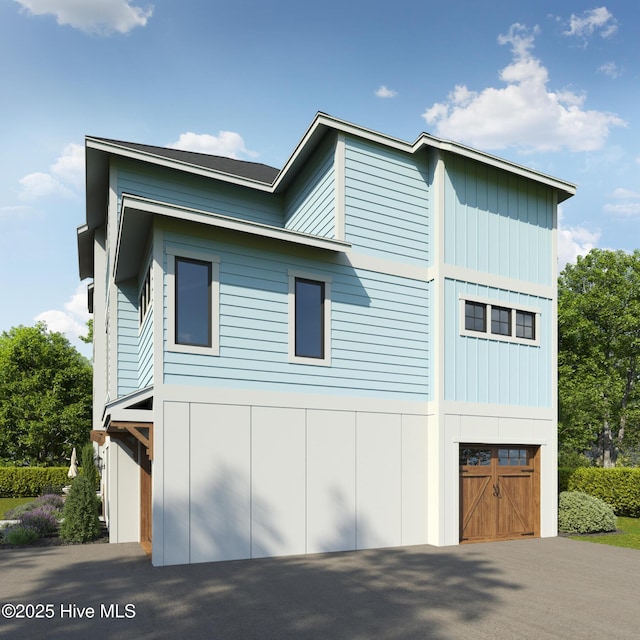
<point>253,481</point>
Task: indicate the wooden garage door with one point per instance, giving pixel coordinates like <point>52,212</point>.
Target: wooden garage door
<point>499,492</point>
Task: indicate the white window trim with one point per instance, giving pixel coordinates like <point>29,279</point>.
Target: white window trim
<point>323,362</point>
<point>487,335</point>
<point>173,253</point>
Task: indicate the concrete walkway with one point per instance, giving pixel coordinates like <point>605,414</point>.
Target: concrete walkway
<point>539,589</point>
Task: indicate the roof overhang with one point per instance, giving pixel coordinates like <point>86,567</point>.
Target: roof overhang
<point>137,217</point>
<point>85,252</point>
<point>323,123</point>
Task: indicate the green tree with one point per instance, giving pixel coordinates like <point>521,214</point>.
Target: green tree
<point>599,353</point>
<point>88,339</point>
<point>45,397</point>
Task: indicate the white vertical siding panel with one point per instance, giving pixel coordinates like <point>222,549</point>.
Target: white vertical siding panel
<point>220,483</point>
<point>379,497</point>
<point>277,482</point>
<point>175,480</point>
<point>414,479</point>
<point>331,481</point>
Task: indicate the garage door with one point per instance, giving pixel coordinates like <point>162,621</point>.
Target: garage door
<point>499,492</point>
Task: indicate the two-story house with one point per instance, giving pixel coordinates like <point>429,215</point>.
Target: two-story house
<point>357,350</point>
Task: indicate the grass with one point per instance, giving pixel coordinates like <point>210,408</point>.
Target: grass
<point>9,503</point>
<point>629,536</point>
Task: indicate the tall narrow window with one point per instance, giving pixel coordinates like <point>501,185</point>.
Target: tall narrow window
<point>192,302</point>
<point>501,321</point>
<point>309,318</point>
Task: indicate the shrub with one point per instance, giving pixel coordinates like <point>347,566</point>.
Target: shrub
<point>618,487</point>
<point>582,513</point>
<point>24,482</point>
<point>52,500</point>
<point>88,466</point>
<point>42,519</point>
<point>20,535</point>
<point>81,522</point>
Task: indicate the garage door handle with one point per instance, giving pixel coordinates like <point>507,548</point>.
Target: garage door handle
<point>496,491</point>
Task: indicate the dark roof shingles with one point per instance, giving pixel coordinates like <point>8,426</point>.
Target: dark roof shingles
<point>241,168</point>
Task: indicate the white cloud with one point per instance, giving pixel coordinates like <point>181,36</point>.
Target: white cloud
<point>625,193</point>
<point>628,208</point>
<point>610,69</point>
<point>384,92</point>
<point>65,177</point>
<point>598,20</point>
<point>525,113</point>
<point>573,242</point>
<point>36,186</point>
<point>92,16</point>
<point>226,143</point>
<point>69,167</point>
<point>623,209</point>
<point>73,320</point>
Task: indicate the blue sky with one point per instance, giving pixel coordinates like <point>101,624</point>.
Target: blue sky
<point>551,85</point>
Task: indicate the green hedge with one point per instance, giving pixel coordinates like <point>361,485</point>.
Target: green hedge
<point>619,487</point>
<point>24,482</point>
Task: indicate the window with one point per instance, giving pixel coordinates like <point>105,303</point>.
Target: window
<point>475,316</point>
<point>525,325</point>
<point>309,319</point>
<point>513,323</point>
<point>501,321</point>
<point>192,302</point>
<point>144,298</point>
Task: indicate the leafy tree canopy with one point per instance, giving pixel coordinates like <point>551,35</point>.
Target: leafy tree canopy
<point>599,354</point>
<point>45,397</point>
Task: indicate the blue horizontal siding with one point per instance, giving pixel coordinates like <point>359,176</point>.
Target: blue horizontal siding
<point>387,203</point>
<point>145,351</point>
<point>497,222</point>
<point>493,371</point>
<point>197,192</point>
<point>127,339</point>
<point>380,328</point>
<point>310,200</point>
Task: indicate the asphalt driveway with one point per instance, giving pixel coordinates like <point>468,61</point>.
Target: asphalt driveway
<point>539,589</point>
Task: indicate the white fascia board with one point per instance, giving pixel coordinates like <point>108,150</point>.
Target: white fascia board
<point>324,122</point>
<point>566,189</point>
<point>136,154</point>
<point>136,203</point>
